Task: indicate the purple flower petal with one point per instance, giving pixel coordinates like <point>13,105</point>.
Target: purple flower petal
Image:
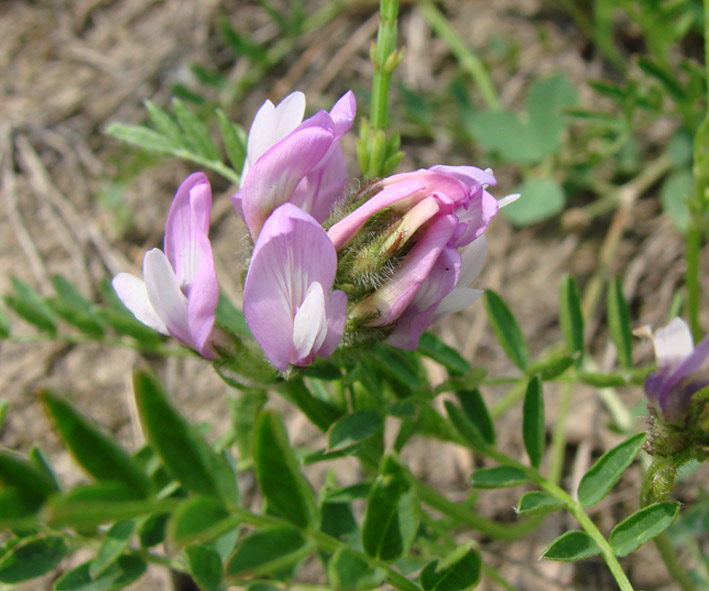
<point>165,295</point>
<point>419,314</point>
<point>291,254</point>
<point>273,178</point>
<point>187,222</point>
<point>390,300</point>
<point>134,296</point>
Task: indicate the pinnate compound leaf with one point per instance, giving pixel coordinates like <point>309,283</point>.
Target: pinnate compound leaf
<point>32,557</point>
<point>286,490</point>
<point>571,318</point>
<point>267,550</point>
<point>97,452</point>
<point>642,526</point>
<point>353,428</point>
<point>506,329</point>
<point>188,457</point>
<point>205,567</point>
<point>533,429</point>
<point>619,323</point>
<point>571,546</point>
<point>120,574</point>
<point>498,477</point>
<point>116,541</point>
<point>28,304</point>
<point>603,475</point>
<point>457,572</point>
<point>391,517</point>
<point>537,503</point>
<point>73,308</point>
<point>164,123</point>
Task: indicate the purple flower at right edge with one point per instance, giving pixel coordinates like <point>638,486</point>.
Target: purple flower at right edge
<point>682,370</point>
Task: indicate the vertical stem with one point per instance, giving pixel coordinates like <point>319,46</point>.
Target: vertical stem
<point>669,557</point>
<point>384,58</point>
<point>469,62</point>
<point>558,436</point>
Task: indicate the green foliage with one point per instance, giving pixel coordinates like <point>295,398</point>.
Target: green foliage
<point>120,574</point>
<point>619,323</point>
<point>391,517</point>
<point>537,503</point>
<point>533,428</point>
<point>353,428</point>
<point>506,329</point>
<point>31,557</point>
<point>571,546</point>
<point>603,475</point>
<point>498,477</point>
<point>284,487</point>
<point>642,526</point>
<point>458,571</point>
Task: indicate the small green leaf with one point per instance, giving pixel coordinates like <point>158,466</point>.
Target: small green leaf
<point>504,133</point>
<point>234,140</point>
<point>537,503</point>
<point>283,485</point>
<point>195,132</point>
<point>32,557</point>
<point>602,380</point>
<point>506,329</point>
<point>604,474</point>
<point>432,346</point>
<point>619,323</point>
<point>550,368</point>
<point>74,308</point>
<point>103,502</point>
<point>465,426</point>
<point>347,571</point>
<point>675,194</point>
<point>498,477</point>
<point>193,517</point>
<point>164,123</point>
<point>571,546</point>
<point>116,541</point>
<point>245,407</point>
<point>402,366</point>
<point>143,138</point>
<point>533,428</point>
<point>229,316</point>
<point>457,572</point>
<point>476,410</point>
<point>205,567</point>
<point>186,455</point>
<point>123,572</point>
<point>545,101</point>
<point>348,493</point>
<point>321,413</point>
<point>97,452</point>
<point>571,318</point>
<point>391,517</point>
<point>5,329</point>
<point>152,530</point>
<point>642,526</point>
<point>353,428</point>
<point>28,304</point>
<point>540,200</point>
<point>18,473</point>
<point>266,550</point>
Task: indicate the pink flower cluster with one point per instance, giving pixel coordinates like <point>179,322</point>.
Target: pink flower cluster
<point>428,225</point>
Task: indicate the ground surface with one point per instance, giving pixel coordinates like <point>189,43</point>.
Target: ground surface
<point>78,203</point>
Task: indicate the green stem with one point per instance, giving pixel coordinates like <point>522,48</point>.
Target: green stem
<point>669,557</point>
<point>469,62</point>
<point>384,57</point>
<point>693,243</point>
<point>465,516</point>
<point>573,507</point>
